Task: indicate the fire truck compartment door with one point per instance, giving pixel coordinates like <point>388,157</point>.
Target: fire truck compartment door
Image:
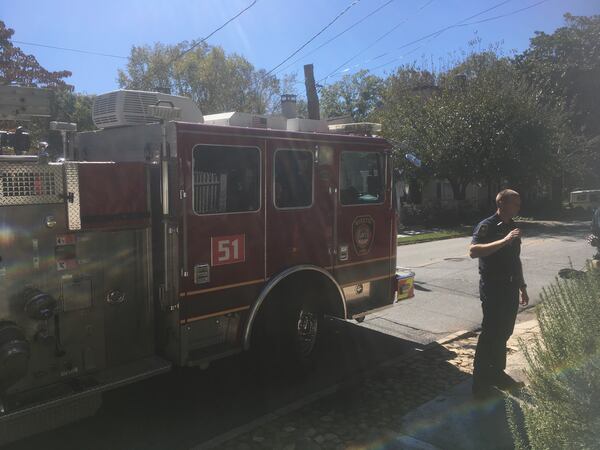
<point>224,224</point>
<point>300,208</point>
<point>125,294</point>
<point>364,225</point>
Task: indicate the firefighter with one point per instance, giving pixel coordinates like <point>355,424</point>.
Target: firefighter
<point>497,244</point>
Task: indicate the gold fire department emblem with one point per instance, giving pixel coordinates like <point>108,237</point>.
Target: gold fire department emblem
<point>363,229</point>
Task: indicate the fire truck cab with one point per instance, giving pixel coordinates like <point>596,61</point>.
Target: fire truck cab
<point>177,243</point>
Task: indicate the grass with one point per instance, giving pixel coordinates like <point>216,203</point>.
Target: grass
<point>436,235</point>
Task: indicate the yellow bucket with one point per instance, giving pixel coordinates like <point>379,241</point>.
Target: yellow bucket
<point>405,279</point>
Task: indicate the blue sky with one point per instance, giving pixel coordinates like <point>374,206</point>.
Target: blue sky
<point>272,29</point>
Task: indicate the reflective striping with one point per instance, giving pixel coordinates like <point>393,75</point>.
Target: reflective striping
<point>385,258</point>
<point>220,313</point>
<point>72,193</point>
<point>220,288</point>
<point>367,280</point>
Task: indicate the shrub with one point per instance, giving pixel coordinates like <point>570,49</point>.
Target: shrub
<point>561,406</point>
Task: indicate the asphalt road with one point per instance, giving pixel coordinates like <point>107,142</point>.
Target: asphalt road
<point>186,407</point>
<point>447,289</point>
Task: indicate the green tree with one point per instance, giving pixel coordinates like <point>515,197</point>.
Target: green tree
<point>356,95</point>
<point>563,68</point>
<point>23,69</point>
<point>20,68</point>
<point>215,81</point>
<point>478,122</point>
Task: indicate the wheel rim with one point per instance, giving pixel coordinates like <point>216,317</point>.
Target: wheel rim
<point>306,332</point>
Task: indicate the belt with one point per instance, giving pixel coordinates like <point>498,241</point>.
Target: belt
<point>503,278</point>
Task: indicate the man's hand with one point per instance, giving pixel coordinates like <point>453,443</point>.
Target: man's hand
<point>482,250</point>
<point>524,297</point>
<point>514,234</point>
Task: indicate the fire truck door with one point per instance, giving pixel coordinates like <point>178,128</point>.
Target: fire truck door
<point>224,254</point>
<point>364,223</point>
<point>300,205</point>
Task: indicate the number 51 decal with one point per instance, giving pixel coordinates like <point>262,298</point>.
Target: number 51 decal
<point>228,249</point>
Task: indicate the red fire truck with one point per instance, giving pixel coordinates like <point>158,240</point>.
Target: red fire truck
<point>172,242</point>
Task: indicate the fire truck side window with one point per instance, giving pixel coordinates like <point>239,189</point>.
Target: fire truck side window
<point>293,178</point>
<point>226,179</point>
<point>361,178</point>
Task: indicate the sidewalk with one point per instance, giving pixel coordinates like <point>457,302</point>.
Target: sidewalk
<point>454,420</point>
<point>422,401</point>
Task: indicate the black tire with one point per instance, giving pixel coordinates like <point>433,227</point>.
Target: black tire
<point>286,335</point>
<point>306,326</point>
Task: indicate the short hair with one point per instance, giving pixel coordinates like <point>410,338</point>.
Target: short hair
<point>505,195</point>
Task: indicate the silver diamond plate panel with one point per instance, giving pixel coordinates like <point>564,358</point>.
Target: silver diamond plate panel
<point>24,183</point>
<point>72,191</point>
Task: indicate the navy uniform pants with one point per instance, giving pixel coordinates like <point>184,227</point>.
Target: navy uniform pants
<point>500,304</point>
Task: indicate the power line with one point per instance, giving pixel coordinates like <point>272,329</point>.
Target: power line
<point>337,35</point>
<point>488,19</point>
<point>457,24</point>
<point>372,44</point>
<point>87,52</point>
<point>434,34</point>
<point>395,59</point>
<point>501,16</point>
<point>354,3</point>
<point>108,55</point>
<point>215,30</point>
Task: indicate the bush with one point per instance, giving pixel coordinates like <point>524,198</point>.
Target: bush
<point>561,405</point>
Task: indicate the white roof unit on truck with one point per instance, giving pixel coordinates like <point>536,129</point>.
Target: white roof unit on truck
<point>242,119</point>
<point>127,107</point>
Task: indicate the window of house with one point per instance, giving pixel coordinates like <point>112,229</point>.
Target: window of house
<point>447,192</point>
<point>361,178</point>
<point>226,179</point>
<point>293,178</point>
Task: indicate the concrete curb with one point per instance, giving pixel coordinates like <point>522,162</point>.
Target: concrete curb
<point>527,325</point>
<point>410,443</point>
<point>455,336</point>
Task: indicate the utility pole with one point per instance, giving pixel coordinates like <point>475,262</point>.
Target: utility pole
<point>311,93</point>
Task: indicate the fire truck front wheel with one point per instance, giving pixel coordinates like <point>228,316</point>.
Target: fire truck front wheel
<point>305,328</point>
<point>288,332</point>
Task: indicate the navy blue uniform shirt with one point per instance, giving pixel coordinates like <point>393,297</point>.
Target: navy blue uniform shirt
<point>505,263</point>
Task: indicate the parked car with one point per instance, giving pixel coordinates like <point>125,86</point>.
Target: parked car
<point>586,199</point>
